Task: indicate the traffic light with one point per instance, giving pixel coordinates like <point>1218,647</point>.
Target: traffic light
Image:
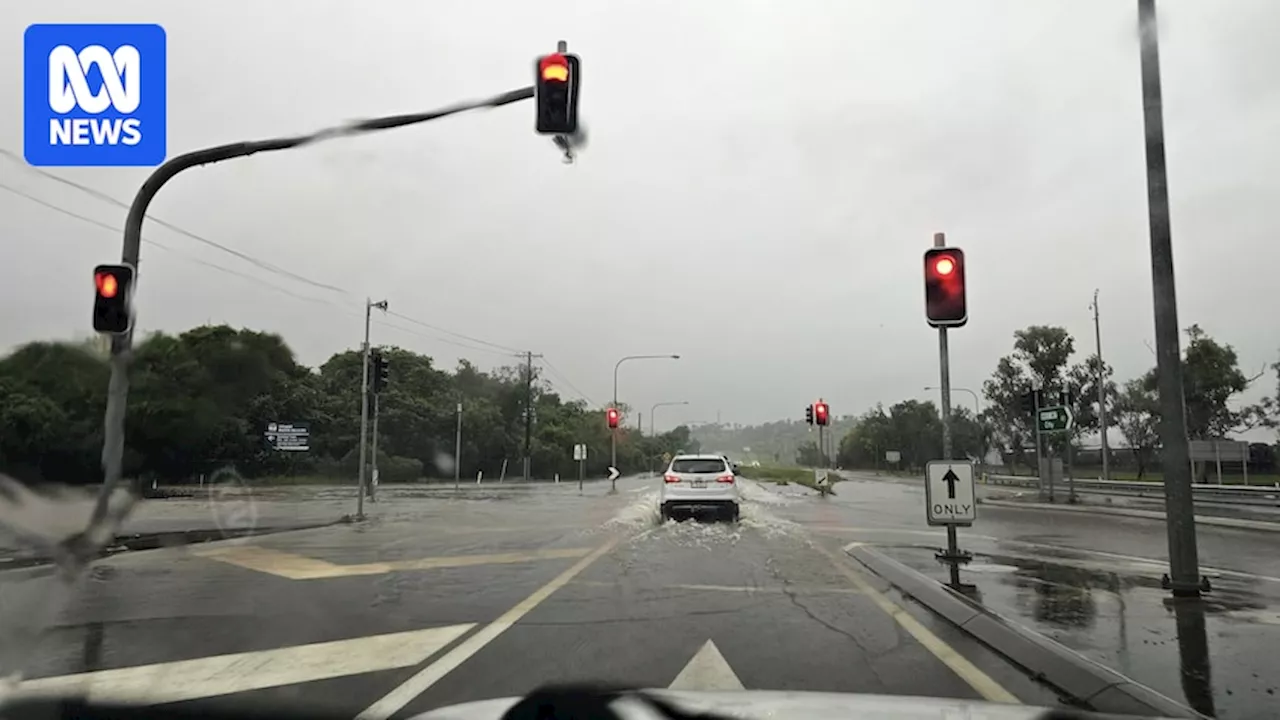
<point>612,416</point>
<point>808,414</point>
<point>821,413</point>
<point>556,80</point>
<point>1027,402</point>
<point>944,287</point>
<point>380,370</point>
<point>113,298</point>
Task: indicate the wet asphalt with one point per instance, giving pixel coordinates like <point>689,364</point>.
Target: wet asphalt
<point>772,593</point>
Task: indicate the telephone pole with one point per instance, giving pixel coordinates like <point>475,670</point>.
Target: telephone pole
<point>369,305</point>
<point>1102,391</point>
<point>528,412</point>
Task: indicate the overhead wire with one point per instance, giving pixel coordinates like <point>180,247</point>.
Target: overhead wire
<point>554,371</point>
<point>500,349</point>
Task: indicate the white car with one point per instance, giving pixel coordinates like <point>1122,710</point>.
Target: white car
<point>699,483</point>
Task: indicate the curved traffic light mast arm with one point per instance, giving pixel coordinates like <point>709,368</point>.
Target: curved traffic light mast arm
<point>118,386</point>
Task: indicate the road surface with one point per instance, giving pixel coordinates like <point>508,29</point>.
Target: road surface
<point>440,599</point>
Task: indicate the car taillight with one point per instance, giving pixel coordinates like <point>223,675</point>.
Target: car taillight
<point>671,478</point>
<point>725,479</point>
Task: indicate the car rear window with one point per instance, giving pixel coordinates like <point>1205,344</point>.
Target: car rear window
<point>698,465</point>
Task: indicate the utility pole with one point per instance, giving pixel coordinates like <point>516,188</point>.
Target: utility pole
<point>457,451</point>
<point>528,412</point>
<point>1102,392</point>
<point>1184,560</point>
<point>369,305</point>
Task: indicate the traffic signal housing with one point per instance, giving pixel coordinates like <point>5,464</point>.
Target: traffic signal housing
<point>1028,402</point>
<point>113,298</point>
<point>611,415</point>
<point>945,303</point>
<point>808,415</point>
<point>381,370</point>
<point>821,413</point>
<point>555,92</point>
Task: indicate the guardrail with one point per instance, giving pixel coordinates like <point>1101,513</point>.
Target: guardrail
<point>1225,494</point>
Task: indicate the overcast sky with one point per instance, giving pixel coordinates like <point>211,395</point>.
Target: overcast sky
<point>761,181</point>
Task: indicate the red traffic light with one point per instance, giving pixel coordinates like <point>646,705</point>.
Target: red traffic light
<point>944,288</point>
<point>612,415</point>
<point>820,413</point>
<point>107,284</point>
<point>554,67</point>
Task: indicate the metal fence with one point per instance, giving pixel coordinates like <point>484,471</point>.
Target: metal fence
<point>1224,494</point>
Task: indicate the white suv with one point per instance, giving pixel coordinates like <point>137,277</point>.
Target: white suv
<point>695,483</point>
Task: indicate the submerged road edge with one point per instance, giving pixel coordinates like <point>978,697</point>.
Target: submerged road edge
<point>1095,686</point>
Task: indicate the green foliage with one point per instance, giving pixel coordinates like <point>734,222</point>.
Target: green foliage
<point>201,400</point>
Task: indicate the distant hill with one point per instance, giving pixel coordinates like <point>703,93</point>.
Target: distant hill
<point>774,442</point>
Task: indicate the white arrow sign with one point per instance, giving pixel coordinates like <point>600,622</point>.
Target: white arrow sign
<point>613,473</point>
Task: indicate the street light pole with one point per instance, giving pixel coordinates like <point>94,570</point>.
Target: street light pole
<point>655,407</point>
<point>977,407</point>
<point>1184,560</point>
<point>613,434</point>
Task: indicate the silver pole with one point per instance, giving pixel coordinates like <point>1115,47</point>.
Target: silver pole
<point>1102,398</point>
<point>944,368</point>
<point>373,484</point>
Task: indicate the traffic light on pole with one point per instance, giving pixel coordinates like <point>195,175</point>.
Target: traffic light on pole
<point>808,415</point>
<point>113,298</point>
<point>944,287</point>
<point>612,416</point>
<point>821,413</point>
<point>555,91</point>
<point>379,369</point>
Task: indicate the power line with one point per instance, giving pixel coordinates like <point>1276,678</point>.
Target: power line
<point>455,334</point>
<point>505,350</point>
<point>565,380</point>
<point>263,264</point>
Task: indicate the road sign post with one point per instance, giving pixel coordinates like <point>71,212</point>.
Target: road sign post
<point>580,454</point>
<point>950,501</point>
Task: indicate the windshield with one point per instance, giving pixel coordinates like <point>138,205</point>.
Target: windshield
<point>357,356</point>
<point>697,465</point>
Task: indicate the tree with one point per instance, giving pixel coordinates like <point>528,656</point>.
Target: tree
<point>1137,414</point>
<point>1039,359</point>
<point>1211,378</point>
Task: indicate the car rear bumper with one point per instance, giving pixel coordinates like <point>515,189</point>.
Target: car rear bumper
<point>694,504</point>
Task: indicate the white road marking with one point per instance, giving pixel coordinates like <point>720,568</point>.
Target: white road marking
<point>986,686</point>
<point>300,567</point>
<point>792,589</point>
<point>431,674</point>
<point>239,672</point>
<point>708,670</point>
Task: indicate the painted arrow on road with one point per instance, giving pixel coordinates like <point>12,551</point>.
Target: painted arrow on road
<point>613,473</point>
<point>951,479</point>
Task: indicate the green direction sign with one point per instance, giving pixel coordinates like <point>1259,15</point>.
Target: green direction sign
<point>1054,419</point>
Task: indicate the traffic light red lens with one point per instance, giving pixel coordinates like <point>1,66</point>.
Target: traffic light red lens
<point>554,67</point>
<point>944,266</point>
<point>107,284</point>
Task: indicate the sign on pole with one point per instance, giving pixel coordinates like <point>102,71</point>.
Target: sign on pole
<point>288,437</point>
<point>1057,418</point>
<point>580,452</point>
<point>948,493</point>
<point>893,456</point>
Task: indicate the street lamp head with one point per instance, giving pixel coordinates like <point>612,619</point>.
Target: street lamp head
<point>675,357</point>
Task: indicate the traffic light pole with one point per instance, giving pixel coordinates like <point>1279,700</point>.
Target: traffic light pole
<point>373,474</point>
<point>457,451</point>
<point>1184,562</point>
<point>122,344</point>
<point>954,557</point>
<point>364,406</point>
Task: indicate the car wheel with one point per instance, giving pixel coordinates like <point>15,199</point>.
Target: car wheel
<point>733,514</point>
<point>663,513</point>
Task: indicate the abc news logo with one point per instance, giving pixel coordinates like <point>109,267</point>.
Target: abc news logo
<point>94,95</point>
<point>69,89</point>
